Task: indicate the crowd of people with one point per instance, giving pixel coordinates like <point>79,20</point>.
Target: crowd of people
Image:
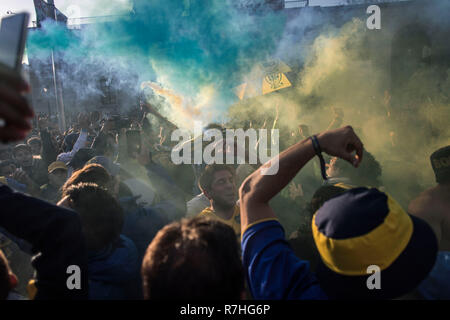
<point>104,198</point>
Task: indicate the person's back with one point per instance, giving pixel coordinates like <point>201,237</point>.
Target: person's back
<point>113,259</point>
<point>113,272</point>
<point>433,205</point>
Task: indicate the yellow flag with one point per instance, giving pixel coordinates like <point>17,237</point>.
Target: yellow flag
<point>275,82</point>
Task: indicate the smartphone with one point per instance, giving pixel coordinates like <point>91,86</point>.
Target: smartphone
<point>13,35</point>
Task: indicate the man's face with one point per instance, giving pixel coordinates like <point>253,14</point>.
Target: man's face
<point>57,177</point>
<point>223,189</point>
<point>35,148</point>
<point>24,158</point>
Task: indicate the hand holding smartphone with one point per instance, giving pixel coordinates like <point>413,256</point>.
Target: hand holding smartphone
<point>14,108</point>
<point>13,36</point>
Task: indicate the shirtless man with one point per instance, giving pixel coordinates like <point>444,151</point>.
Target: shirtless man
<point>433,206</point>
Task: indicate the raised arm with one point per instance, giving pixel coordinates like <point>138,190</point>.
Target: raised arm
<point>257,190</point>
<point>81,141</point>
<point>273,270</point>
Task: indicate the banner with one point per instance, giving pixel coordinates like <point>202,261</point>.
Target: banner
<point>46,11</point>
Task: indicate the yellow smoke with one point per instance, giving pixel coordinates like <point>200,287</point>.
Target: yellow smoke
<point>340,73</point>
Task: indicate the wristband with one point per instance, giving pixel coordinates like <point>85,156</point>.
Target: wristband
<point>318,151</point>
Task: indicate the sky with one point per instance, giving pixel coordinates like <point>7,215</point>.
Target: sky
<point>89,8</point>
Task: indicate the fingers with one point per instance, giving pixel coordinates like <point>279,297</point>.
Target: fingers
<point>13,79</point>
<point>20,176</point>
<point>16,100</point>
<point>348,156</point>
<point>358,146</point>
<point>359,151</point>
<point>343,143</point>
<point>353,143</point>
<point>13,117</point>
<point>8,134</point>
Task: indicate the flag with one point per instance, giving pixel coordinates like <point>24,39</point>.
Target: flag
<point>46,11</point>
<point>275,82</point>
<point>265,78</point>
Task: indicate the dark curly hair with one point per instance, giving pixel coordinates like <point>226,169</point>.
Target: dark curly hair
<point>101,215</point>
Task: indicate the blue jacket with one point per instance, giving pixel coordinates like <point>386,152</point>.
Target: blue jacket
<point>114,272</point>
<point>273,271</point>
<point>437,285</point>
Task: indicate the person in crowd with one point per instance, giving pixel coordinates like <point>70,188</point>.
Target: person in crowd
<point>193,259</point>
<point>341,176</point>
<point>368,173</point>
<point>8,175</point>
<point>91,173</point>
<point>5,152</point>
<point>50,148</point>
<point>370,232</point>
<point>141,223</point>
<point>95,118</point>
<point>7,168</point>
<point>113,259</point>
<point>46,223</point>
<point>145,177</point>
<point>105,143</point>
<point>433,206</point>
<point>197,204</point>
<point>302,240</point>
<point>35,145</point>
<point>227,148</point>
<point>57,175</point>
<point>74,142</point>
<point>353,231</point>
<point>79,159</point>
<point>33,167</point>
<point>218,184</point>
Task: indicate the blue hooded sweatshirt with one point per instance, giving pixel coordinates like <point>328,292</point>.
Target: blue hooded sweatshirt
<point>114,272</point>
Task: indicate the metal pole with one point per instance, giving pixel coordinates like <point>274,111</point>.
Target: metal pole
<point>57,83</point>
<point>58,97</point>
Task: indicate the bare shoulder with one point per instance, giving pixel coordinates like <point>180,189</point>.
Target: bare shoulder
<point>433,203</point>
<point>423,204</point>
<point>432,206</point>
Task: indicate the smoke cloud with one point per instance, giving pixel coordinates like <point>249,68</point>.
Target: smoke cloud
<point>193,53</point>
